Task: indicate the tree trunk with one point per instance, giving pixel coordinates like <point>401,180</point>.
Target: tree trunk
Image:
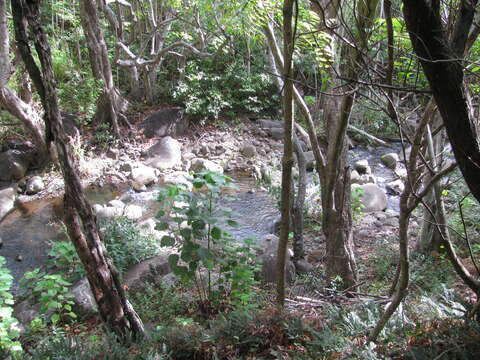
<point>287,161</point>
<point>113,306</point>
<point>110,104</point>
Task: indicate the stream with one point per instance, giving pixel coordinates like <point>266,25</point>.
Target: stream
<point>29,230</point>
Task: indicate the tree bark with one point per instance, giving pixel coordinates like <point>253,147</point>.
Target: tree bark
<point>113,306</point>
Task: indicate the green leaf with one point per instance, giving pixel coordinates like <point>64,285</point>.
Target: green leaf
<point>167,241</point>
<point>173,261</point>
<point>55,318</point>
<point>233,223</point>
<point>216,233</point>
<point>161,226</point>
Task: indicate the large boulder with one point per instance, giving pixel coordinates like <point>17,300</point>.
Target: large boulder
<point>164,123</point>
<point>83,299</point>
<point>165,154</point>
<point>268,256</point>
<point>14,164</point>
<point>150,270</point>
<point>7,200</point>
<point>373,197</point>
<point>249,151</point>
<point>310,160</point>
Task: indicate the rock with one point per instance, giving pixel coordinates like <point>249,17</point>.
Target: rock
<point>249,151</point>
<point>390,160</point>
<point>276,133</point>
<point>150,270</point>
<point>25,312</point>
<point>7,200</point>
<point>107,211</point>
<point>166,122</point>
<point>269,124</point>
<point>133,212</point>
<point>126,167</point>
<point>396,187</point>
<point>1,243</point>
<point>393,222</point>
<point>199,164</point>
<point>19,258</point>
<point>112,154</point>
<point>84,302</point>
<point>268,254</point>
<point>144,175</point>
<point>303,266</point>
<point>34,185</point>
<point>362,167</point>
<point>14,164</point>
<point>165,154</point>
<point>354,177</point>
<point>116,203</point>
<point>373,197</point>
<point>367,179</point>
<point>401,173</point>
<point>138,187</point>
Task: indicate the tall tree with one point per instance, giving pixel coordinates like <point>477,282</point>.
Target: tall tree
<point>287,161</point>
<point>112,303</point>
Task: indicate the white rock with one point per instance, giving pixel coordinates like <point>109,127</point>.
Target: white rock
<point>7,200</point>
<point>133,212</point>
<point>34,185</point>
<point>144,175</point>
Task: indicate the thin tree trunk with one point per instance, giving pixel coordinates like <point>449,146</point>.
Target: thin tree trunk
<point>287,161</point>
<point>298,203</point>
<point>113,306</point>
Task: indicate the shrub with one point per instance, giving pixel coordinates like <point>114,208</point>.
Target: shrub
<point>9,331</point>
<point>209,90</point>
<point>125,244</point>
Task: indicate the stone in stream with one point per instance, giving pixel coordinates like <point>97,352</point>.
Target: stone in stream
<point>362,167</point>
<point>34,185</point>
<point>165,154</point>
<point>373,197</point>
<point>390,160</point>
<point>144,175</point>
<point>199,164</point>
<point>396,186</point>
<point>7,200</point>
<point>249,151</point>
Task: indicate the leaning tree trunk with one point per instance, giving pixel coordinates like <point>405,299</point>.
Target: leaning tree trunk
<point>444,71</point>
<point>113,306</point>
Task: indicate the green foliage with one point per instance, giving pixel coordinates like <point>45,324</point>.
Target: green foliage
<point>210,90</point>
<point>103,136</point>
<point>125,244</point>
<point>160,303</point>
<point>207,253</point>
<point>356,202</point>
<point>77,89</point>
<point>9,346</point>
<point>63,258</point>
<point>51,290</point>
